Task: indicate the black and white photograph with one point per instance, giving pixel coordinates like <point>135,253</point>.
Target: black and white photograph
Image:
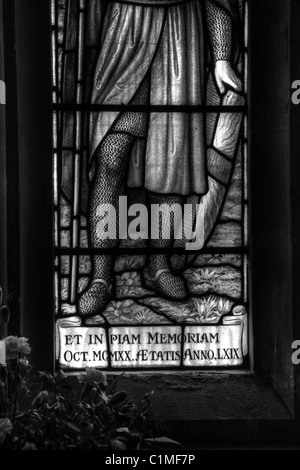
<point>149,227</point>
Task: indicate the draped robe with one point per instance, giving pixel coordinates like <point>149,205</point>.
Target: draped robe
<point>166,39</point>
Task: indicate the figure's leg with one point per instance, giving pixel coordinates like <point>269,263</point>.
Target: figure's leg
<point>111,160</point>
<point>111,163</point>
<point>158,274</point>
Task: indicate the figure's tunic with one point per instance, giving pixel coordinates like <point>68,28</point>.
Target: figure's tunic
<point>164,38</point>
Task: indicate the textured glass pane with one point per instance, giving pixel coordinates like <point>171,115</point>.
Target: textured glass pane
<point>246,24</point>
<point>54,59</point>
<point>226,235</point>
<point>65,289</point>
<point>55,182</point>
<point>246,270</point>
<point>233,205</point>
<point>246,225</point>
<point>65,265</point>
<point>150,183</point>
<point>65,238</point>
<point>245,172</point>
<point>56,229</point>
<point>55,130</point>
<point>246,73</point>
<point>53,7</point>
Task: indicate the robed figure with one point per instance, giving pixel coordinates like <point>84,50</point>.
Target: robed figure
<point>152,52</point>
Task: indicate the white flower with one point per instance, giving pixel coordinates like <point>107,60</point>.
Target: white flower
<point>93,376</point>
<point>16,346</point>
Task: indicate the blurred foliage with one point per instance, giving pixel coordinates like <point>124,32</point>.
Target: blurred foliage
<point>42,411</point>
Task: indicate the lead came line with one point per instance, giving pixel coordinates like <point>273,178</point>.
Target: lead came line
<point>77,170</point>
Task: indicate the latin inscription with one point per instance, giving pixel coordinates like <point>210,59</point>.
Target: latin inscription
<point>150,347</point>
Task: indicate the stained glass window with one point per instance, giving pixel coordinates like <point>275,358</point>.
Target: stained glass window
<point>150,183</point>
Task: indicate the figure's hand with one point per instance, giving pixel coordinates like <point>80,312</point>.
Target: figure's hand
<point>225,75</point>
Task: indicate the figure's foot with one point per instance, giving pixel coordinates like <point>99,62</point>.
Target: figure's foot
<point>94,300</point>
<point>167,284</point>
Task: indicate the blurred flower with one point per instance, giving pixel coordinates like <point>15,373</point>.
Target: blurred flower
<point>41,399</point>
<point>97,376</point>
<point>5,428</point>
<point>16,346</point>
<point>92,376</point>
<point>5,425</point>
<point>123,430</point>
<point>118,445</point>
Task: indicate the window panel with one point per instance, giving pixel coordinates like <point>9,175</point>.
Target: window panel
<point>194,145</point>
